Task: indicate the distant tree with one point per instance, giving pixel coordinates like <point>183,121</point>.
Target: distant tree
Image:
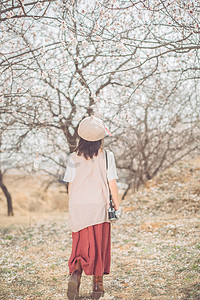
<point>2,172</point>
<point>7,195</point>
<point>158,129</point>
<point>129,62</point>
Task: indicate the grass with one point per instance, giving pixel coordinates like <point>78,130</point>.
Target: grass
<point>155,247</point>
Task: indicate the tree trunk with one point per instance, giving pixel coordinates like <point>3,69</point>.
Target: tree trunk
<point>7,195</point>
<point>126,191</point>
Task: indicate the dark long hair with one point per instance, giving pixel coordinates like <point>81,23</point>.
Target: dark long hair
<point>87,148</point>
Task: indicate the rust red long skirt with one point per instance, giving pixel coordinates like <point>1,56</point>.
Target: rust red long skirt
<point>92,245</point>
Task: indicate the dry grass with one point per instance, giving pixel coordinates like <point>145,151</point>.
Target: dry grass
<point>29,195</point>
<point>155,246</point>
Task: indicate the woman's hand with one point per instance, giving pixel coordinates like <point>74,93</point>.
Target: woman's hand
<point>118,213</point>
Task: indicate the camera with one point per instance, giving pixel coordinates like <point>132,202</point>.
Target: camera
<point>111,214</point>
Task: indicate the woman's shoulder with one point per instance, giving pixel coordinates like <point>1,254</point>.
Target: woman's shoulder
<point>109,153</point>
<point>73,157</point>
<point>110,156</point>
<point>70,156</point>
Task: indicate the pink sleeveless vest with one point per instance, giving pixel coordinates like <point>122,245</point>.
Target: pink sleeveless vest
<point>89,193</point>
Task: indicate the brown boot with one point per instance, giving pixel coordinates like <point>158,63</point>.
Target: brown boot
<point>98,290</point>
<point>74,282</point>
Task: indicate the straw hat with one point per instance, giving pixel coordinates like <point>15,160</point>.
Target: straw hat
<point>91,129</point>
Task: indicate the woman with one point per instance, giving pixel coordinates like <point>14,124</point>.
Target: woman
<point>88,204</point>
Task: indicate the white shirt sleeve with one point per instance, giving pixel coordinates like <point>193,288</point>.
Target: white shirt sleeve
<point>111,171</point>
<point>70,170</point>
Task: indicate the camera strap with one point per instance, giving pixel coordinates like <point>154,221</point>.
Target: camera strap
<point>110,196</point>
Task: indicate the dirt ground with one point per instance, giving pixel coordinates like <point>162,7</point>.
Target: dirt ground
<point>155,245</point>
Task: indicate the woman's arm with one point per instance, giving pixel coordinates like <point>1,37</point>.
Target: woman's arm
<point>114,193</point>
<point>69,186</point>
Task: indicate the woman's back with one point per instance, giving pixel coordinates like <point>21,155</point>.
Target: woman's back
<point>89,193</point>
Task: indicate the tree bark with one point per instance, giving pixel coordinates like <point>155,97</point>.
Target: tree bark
<point>7,195</point>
